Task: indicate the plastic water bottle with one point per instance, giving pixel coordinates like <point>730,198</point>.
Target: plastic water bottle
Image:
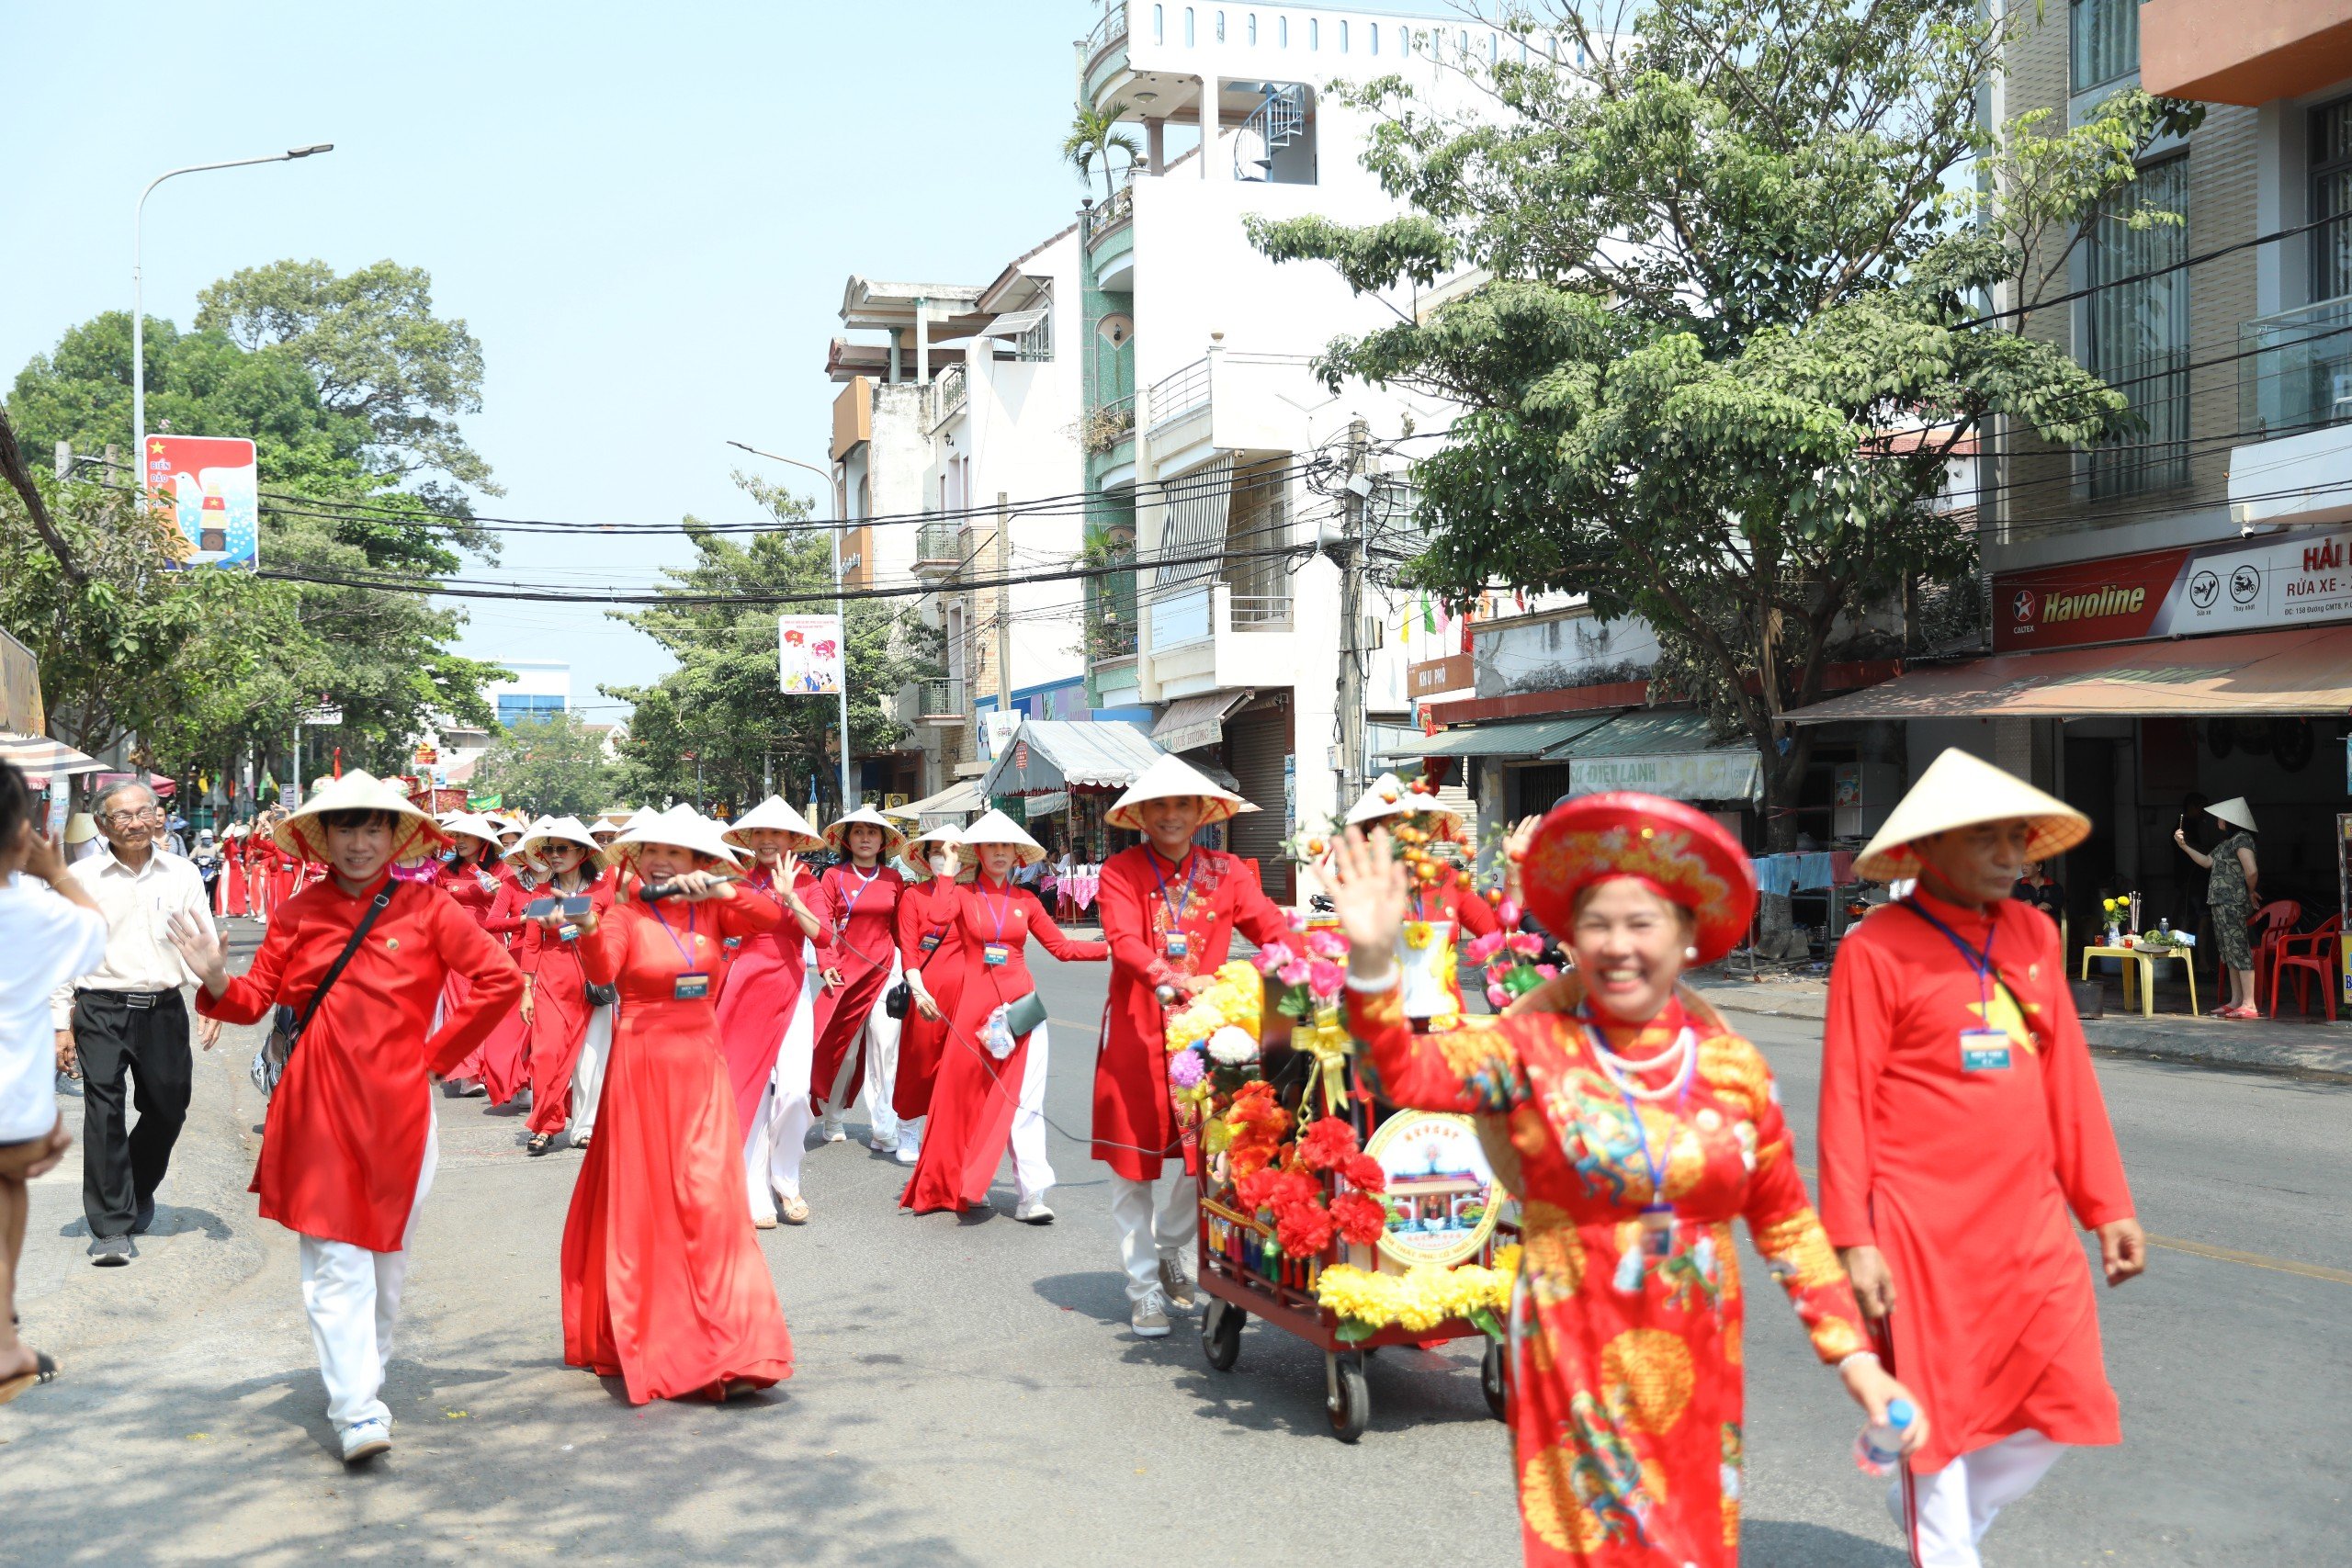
<point>1880,1446</point>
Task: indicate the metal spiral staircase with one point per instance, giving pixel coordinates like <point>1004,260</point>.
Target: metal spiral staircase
<point>1271,126</point>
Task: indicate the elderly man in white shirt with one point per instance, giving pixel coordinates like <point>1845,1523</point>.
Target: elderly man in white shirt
<point>128,1016</point>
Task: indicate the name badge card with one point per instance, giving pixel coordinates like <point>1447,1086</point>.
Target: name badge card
<point>1179,944</point>
<point>1983,1050</point>
<point>995,953</point>
<point>931,942</point>
<point>691,986</point>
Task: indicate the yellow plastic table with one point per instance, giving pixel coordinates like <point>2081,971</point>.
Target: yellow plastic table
<point>2141,961</point>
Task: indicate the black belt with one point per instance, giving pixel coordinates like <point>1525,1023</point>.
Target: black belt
<point>137,1002</point>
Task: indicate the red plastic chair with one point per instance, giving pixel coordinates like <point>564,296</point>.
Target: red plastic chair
<point>2267,927</point>
<point>2311,954</point>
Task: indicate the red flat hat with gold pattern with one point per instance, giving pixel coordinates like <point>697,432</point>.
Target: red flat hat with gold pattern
<point>1684,855</point>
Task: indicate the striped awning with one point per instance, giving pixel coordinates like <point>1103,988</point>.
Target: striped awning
<point>37,756</point>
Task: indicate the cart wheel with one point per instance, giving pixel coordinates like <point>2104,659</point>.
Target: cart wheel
<point>1221,1333</point>
<point>1490,1380</point>
<point>1349,1400</point>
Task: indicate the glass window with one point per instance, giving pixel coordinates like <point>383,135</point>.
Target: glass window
<point>1282,32</point>
<point>2105,39</point>
<point>527,707</point>
<point>1188,26</point>
<point>1158,25</point>
<point>1314,33</point>
<point>1251,28</point>
<point>1371,36</point>
<point>2331,198</point>
<point>2138,330</point>
<point>1343,37</point>
<point>1220,27</point>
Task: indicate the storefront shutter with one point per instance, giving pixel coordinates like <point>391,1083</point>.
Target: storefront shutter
<point>1257,744</point>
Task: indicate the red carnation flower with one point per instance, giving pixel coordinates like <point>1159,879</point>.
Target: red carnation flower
<point>1360,1220</point>
<point>1257,1189</point>
<point>1303,1229</point>
<point>1328,1142</point>
<point>1363,1174</point>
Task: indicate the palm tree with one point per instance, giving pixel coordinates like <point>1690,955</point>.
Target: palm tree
<point>1093,134</point>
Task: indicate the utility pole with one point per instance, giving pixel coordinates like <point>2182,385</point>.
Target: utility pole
<point>1003,610</point>
<point>298,758</point>
<point>1352,649</point>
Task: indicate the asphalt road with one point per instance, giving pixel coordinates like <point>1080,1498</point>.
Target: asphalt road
<point>967,1392</point>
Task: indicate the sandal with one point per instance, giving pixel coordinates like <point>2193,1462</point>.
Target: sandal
<point>580,1145</point>
<point>794,1209</point>
<point>44,1371</point>
<point>540,1143</point>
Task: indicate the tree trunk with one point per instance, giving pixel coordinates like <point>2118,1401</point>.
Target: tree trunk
<point>1776,935</point>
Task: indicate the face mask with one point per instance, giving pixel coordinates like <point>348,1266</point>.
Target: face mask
<point>943,865</point>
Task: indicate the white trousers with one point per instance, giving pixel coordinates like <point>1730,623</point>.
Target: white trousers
<point>1956,1504</point>
<point>354,1298</point>
<point>1151,1229</point>
<point>588,1072</point>
<point>1033,1173</point>
<point>882,1066</point>
<point>779,1131</point>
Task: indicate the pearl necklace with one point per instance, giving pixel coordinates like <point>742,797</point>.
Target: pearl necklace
<point>1621,1070</point>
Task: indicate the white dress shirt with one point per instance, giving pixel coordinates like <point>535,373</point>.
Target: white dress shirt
<point>137,904</point>
<point>47,939</point>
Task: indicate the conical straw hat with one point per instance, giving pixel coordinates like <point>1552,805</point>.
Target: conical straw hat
<point>2235,812</point>
<point>472,824</point>
<point>894,838</point>
<point>776,814</point>
<point>566,829</point>
<point>681,826</point>
<point>996,828</point>
<point>919,862</point>
<point>1960,791</point>
<point>302,834</point>
<point>1388,797</point>
<point>1167,777</point>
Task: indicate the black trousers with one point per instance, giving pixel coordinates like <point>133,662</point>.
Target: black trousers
<point>122,1164</point>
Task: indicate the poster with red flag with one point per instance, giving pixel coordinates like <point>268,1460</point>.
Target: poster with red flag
<point>208,488</point>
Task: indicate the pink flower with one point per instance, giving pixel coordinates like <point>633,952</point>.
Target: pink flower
<point>1507,911</point>
<point>1325,978</point>
<point>1549,971</point>
<point>1297,920</point>
<point>1497,996</point>
<point>1274,956</point>
<point>1327,945</point>
<point>1482,948</point>
<point>1527,944</point>
<point>1295,973</point>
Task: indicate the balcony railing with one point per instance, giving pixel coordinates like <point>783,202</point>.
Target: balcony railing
<point>1112,635</point>
<point>944,700</point>
<point>1261,612</point>
<point>2297,368</point>
<point>1108,34</point>
<point>948,392</point>
<point>936,545</point>
<point>1101,221</point>
<point>1103,429</point>
<point>1185,391</point>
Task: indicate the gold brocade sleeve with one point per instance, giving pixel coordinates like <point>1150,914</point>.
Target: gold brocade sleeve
<point>1473,1068</point>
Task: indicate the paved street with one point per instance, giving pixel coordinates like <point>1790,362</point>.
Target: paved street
<point>967,1391</point>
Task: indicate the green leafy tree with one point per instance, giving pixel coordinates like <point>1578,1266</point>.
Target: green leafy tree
<point>346,389</point>
<point>1726,250</point>
<point>555,766</point>
<point>723,707</point>
<point>1095,134</point>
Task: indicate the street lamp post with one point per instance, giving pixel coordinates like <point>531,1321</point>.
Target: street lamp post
<point>841,526</point>
<point>138,288</point>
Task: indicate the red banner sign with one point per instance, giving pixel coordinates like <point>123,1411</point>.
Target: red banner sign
<point>2244,585</point>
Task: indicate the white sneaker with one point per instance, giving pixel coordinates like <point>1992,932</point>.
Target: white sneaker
<point>1149,1319</point>
<point>910,1153</point>
<point>1175,1285</point>
<point>1033,1212</point>
<point>833,1133</point>
<point>365,1440</point>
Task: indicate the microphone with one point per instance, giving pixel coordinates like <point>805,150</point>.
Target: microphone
<point>654,892</point>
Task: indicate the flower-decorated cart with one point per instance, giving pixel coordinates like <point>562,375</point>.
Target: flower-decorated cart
<point>1350,1234</point>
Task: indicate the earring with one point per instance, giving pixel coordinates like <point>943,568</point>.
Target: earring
<point>1690,954</point>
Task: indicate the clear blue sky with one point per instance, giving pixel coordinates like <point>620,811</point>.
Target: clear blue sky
<point>644,214</point>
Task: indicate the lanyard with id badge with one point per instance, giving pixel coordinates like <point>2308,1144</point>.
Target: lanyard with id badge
<point>1179,942</point>
<point>1657,1214</point>
<point>690,985</point>
<point>1986,1049</point>
<point>997,953</point>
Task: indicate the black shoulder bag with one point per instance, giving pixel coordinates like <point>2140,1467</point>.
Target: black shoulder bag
<point>269,1062</point>
<point>900,997</point>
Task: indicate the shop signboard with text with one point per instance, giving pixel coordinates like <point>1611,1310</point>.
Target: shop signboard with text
<point>207,486</point>
<point>2244,585</point>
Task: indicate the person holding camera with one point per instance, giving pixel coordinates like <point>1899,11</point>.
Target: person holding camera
<point>571,1022</point>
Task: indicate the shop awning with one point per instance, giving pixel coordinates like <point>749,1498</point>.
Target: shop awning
<point>1048,754</point>
<point>37,756</point>
<point>957,800</point>
<point>2305,671</point>
<point>1192,722</point>
<point>1674,754</point>
<point>1515,737</point>
<point>1035,806</point>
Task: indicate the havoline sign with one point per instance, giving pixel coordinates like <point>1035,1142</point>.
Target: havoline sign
<point>2287,578</point>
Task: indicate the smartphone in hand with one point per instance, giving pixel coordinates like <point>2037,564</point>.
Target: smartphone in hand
<point>577,904</point>
<point>539,908</point>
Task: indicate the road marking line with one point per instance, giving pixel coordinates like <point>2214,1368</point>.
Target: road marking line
<point>2222,1254</point>
<point>2253,1259</point>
